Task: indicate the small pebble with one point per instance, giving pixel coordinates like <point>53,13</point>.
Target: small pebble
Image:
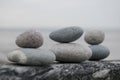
<point>66,35</point>
<point>71,52</point>
<point>30,39</point>
<point>32,56</point>
<point>94,37</point>
<point>99,52</point>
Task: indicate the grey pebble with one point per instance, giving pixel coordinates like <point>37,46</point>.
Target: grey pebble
<point>94,37</point>
<point>66,35</point>
<point>32,56</point>
<point>30,39</point>
<point>71,52</point>
<point>101,74</point>
<point>99,52</point>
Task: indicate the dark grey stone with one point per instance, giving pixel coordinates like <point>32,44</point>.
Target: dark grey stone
<point>99,52</point>
<point>94,37</point>
<point>32,56</point>
<point>30,39</point>
<point>71,52</point>
<point>66,35</point>
<point>90,70</point>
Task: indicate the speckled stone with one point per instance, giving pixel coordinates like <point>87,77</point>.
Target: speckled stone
<point>32,56</point>
<point>30,39</point>
<point>66,35</point>
<point>99,52</point>
<point>101,74</point>
<point>94,37</point>
<point>71,52</point>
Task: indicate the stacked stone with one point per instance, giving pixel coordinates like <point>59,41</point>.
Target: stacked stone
<point>95,38</point>
<point>66,51</point>
<point>28,54</point>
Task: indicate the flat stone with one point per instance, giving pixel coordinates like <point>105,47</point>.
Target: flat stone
<point>94,37</point>
<point>66,35</point>
<point>63,71</point>
<point>71,52</point>
<point>30,39</point>
<point>99,52</point>
<point>32,56</point>
<point>101,73</point>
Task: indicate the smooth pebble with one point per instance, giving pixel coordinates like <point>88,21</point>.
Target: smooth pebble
<point>66,35</point>
<point>32,56</point>
<point>94,37</point>
<point>99,52</point>
<point>30,39</point>
<point>71,52</point>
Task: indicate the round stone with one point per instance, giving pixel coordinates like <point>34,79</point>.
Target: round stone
<point>71,52</point>
<point>66,35</point>
<point>30,39</point>
<point>32,56</point>
<point>99,52</point>
<point>94,37</point>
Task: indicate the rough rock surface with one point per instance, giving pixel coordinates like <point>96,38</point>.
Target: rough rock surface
<point>90,70</point>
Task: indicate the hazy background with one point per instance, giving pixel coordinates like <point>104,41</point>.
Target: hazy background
<point>52,13</point>
<point>16,16</point>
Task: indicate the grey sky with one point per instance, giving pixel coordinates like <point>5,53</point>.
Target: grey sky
<point>44,13</point>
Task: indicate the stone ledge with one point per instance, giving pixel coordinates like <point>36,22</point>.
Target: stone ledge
<point>89,70</point>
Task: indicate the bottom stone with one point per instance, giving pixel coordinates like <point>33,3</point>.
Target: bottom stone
<point>89,70</point>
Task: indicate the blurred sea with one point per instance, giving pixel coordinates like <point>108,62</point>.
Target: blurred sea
<point>8,37</point>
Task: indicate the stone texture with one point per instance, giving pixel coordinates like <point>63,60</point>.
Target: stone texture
<point>66,35</point>
<point>99,52</point>
<point>94,37</point>
<point>90,70</point>
<point>28,56</point>
<point>71,52</point>
<point>101,73</point>
<point>30,39</point>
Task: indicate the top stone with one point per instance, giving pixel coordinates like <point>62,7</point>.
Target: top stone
<point>94,37</point>
<point>30,39</point>
<point>66,35</point>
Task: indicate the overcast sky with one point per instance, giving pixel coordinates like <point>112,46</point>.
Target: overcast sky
<point>52,13</point>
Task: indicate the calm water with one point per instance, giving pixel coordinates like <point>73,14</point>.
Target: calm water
<point>7,42</point>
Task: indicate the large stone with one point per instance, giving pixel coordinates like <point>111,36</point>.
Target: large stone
<point>32,56</point>
<point>66,35</point>
<point>99,52</point>
<point>91,70</point>
<point>71,52</point>
<point>94,37</point>
<point>30,39</point>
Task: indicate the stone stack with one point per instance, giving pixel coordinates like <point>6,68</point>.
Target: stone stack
<point>66,51</point>
<point>94,38</point>
<point>28,54</point>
